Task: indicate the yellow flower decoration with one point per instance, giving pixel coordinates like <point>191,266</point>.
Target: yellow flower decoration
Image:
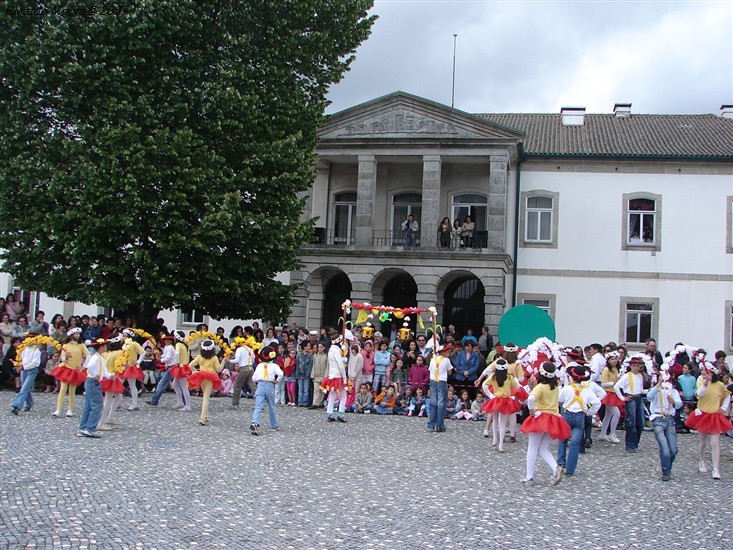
<point>34,341</point>
<point>124,357</point>
<point>211,336</point>
<point>251,342</point>
<point>144,334</point>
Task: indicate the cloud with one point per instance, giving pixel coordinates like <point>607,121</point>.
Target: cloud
<point>538,56</point>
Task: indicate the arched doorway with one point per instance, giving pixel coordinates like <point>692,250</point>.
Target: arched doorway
<point>335,292</point>
<point>464,305</point>
<point>399,291</point>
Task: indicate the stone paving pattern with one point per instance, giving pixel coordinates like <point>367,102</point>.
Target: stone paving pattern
<point>160,480</point>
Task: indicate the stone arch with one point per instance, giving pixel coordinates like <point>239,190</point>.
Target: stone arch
<point>461,299</point>
<point>327,288</point>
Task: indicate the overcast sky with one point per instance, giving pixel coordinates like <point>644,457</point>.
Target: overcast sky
<point>531,57</point>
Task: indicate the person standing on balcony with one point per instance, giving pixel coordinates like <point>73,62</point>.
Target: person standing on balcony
<point>468,227</point>
<point>456,234</point>
<point>444,232</point>
<point>410,227</point>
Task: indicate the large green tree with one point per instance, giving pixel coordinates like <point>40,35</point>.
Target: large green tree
<point>152,152</point>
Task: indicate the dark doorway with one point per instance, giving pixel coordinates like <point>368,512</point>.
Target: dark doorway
<point>400,291</point>
<point>464,305</point>
<point>335,292</point>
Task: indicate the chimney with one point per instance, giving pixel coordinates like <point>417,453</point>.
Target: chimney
<point>622,110</point>
<point>726,111</point>
<point>572,116</point>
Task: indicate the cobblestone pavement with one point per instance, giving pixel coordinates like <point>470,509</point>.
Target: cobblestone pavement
<point>160,480</point>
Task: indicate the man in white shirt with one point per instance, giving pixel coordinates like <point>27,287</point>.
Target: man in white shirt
<point>31,360</point>
<point>440,368</point>
<point>630,389</point>
<point>266,374</point>
<point>664,401</point>
<point>578,401</point>
<point>597,362</point>
<point>244,360</point>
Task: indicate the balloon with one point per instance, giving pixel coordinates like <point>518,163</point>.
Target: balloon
<point>524,324</point>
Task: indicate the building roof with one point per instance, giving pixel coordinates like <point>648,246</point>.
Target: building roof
<point>605,135</point>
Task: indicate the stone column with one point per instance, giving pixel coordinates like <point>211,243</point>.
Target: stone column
<point>366,187</point>
<point>317,205</point>
<point>430,201</point>
<point>497,218</point>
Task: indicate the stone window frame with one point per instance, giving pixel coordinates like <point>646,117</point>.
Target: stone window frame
<point>729,225</point>
<point>656,246</point>
<point>551,299</point>
<point>555,196</point>
<point>624,302</point>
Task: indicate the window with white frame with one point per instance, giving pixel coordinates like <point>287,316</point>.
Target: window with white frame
<point>642,221</point>
<point>546,302</point>
<point>538,219</point>
<point>474,205</point>
<point>639,320</point>
<point>729,226</point>
<point>192,317</point>
<point>404,205</point>
<point>344,216</point>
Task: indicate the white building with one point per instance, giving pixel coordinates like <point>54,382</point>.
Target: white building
<point>620,225</point>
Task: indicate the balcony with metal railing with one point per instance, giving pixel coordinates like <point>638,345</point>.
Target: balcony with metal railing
<point>382,239</point>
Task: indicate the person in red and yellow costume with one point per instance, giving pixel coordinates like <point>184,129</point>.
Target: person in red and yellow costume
<point>132,372</point>
<point>69,372</point>
<point>206,369</point>
<point>708,419</point>
<point>180,372</point>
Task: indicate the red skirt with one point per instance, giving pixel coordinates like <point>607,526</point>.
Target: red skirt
<point>553,424</point>
<point>709,423</point>
<point>520,393</point>
<point>194,381</point>
<point>612,400</point>
<point>112,385</point>
<point>133,371</point>
<point>180,371</point>
<point>503,405</point>
<point>65,374</point>
<point>336,384</point>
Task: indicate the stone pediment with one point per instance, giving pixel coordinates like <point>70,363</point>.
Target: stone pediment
<point>401,115</point>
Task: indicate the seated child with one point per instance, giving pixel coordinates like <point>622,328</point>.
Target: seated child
<point>385,402</point>
<point>417,403</point>
<point>476,411</point>
<point>52,363</point>
<point>451,403</point>
<point>363,401</point>
<point>463,408</point>
<point>404,402</point>
<point>227,384</point>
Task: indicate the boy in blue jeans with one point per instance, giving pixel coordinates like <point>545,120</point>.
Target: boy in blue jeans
<point>93,399</point>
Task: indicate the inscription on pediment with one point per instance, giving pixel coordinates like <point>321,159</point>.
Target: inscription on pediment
<point>400,123</point>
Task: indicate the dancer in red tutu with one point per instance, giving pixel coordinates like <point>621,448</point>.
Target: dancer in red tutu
<point>132,372</point>
<point>69,372</point>
<point>709,418</point>
<point>609,376</point>
<point>206,377</point>
<point>544,423</point>
<point>111,386</point>
<point>499,387</point>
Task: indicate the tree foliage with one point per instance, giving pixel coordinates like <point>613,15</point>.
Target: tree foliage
<point>154,152</point>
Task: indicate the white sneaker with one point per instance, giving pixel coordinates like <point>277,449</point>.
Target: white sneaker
<point>57,414</point>
<point>486,433</point>
<point>603,438</point>
<point>133,408</point>
<point>614,439</point>
<point>716,474</point>
<point>702,468</point>
<point>528,481</point>
<point>69,414</point>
